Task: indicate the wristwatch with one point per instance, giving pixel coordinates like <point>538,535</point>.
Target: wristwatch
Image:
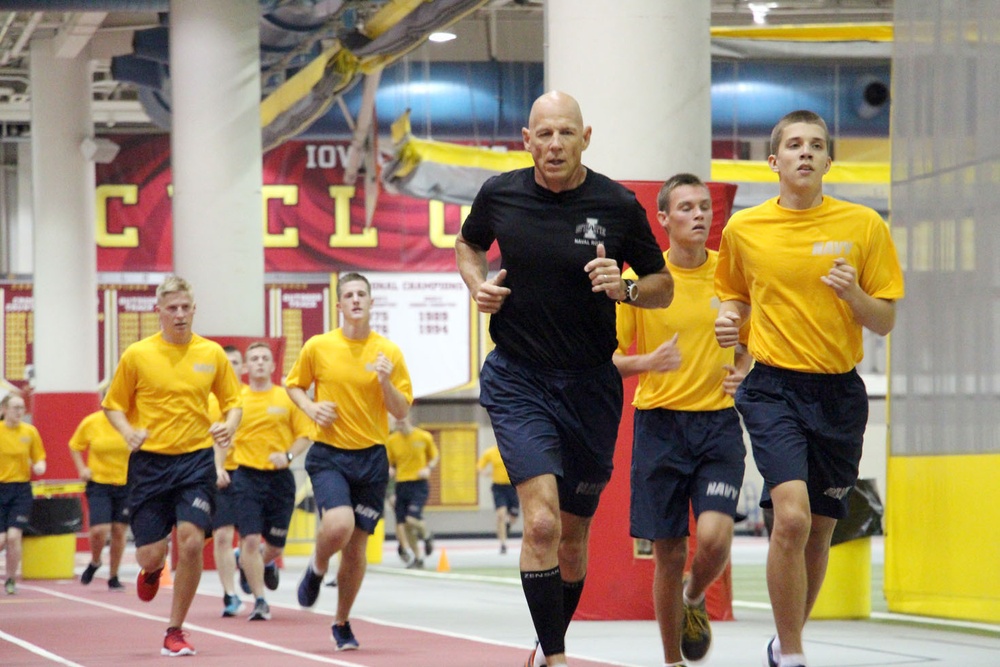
<point>631,291</point>
<point>290,456</point>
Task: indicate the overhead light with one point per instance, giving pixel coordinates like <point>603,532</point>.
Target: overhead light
<point>760,11</point>
<point>442,36</point>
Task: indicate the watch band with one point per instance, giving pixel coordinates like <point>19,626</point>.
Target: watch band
<point>631,291</point>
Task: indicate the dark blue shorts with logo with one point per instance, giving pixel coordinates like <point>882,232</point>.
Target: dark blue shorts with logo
<point>165,489</point>
<point>806,426</point>
<point>558,422</point>
<point>355,478</point>
<point>680,457</point>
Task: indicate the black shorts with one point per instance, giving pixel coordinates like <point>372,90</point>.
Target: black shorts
<point>15,505</point>
<point>680,457</point>
<point>410,499</point>
<point>107,503</point>
<point>505,495</point>
<point>225,506</point>
<point>355,478</point>
<point>167,489</point>
<point>265,500</point>
<point>806,426</point>
<point>556,422</point>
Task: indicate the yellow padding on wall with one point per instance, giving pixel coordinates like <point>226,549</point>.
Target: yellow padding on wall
<point>758,171</point>
<point>943,536</point>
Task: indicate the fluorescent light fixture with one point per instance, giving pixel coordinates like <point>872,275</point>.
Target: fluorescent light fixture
<point>441,36</point>
<point>760,11</point>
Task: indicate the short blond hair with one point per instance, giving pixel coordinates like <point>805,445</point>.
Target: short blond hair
<point>260,344</point>
<point>173,285</point>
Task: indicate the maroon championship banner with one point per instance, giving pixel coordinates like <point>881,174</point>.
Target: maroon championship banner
<point>18,332</point>
<point>311,220</point>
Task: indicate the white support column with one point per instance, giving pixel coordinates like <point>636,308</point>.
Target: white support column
<point>65,266</point>
<point>641,70</point>
<point>216,161</point>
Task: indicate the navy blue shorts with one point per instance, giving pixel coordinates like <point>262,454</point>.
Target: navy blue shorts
<point>167,489</point>
<point>806,426</point>
<point>411,498</point>
<point>505,495</point>
<point>558,422</point>
<point>107,503</point>
<point>679,458</point>
<point>350,478</point>
<point>225,505</point>
<point>265,500</point>
<point>15,505</point>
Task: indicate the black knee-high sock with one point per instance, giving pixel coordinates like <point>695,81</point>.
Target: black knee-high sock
<point>572,590</point>
<point>543,592</point>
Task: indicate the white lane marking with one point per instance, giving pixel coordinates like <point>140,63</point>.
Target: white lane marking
<point>38,650</point>
<point>188,626</point>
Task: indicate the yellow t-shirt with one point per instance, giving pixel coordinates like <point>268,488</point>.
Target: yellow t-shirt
<point>772,258</point>
<point>271,423</point>
<point>19,448</point>
<point>343,371</point>
<point>215,415</point>
<point>409,453</point>
<point>491,457</point>
<point>164,388</point>
<point>107,451</point>
<point>697,384</point>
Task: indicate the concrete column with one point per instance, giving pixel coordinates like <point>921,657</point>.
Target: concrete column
<point>641,70</point>
<point>65,271</point>
<point>216,161</point>
<point>65,286</point>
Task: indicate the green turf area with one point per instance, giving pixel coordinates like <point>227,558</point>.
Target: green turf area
<point>750,585</point>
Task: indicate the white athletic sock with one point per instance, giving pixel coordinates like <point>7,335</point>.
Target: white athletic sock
<point>539,660</point>
<point>692,603</point>
<point>793,660</point>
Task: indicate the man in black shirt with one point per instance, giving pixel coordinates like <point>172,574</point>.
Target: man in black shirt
<point>553,395</point>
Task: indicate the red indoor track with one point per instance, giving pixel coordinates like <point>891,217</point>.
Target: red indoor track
<point>51,623</point>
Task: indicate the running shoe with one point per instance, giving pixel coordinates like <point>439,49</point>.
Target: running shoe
<point>428,545</point>
<point>404,554</point>
<point>344,638</point>
<point>696,635</point>
<point>175,644</point>
<point>88,574</point>
<point>309,587</point>
<point>231,605</point>
<point>271,576</point>
<point>115,585</point>
<point>261,611</point>
<point>147,584</point>
<point>10,587</point>
<point>244,584</point>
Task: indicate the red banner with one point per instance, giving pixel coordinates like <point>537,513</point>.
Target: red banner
<point>314,221</point>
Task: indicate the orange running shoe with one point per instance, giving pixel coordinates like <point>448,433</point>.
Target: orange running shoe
<point>147,584</point>
<point>175,644</point>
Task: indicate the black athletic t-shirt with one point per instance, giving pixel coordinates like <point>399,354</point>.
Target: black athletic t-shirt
<point>552,318</point>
